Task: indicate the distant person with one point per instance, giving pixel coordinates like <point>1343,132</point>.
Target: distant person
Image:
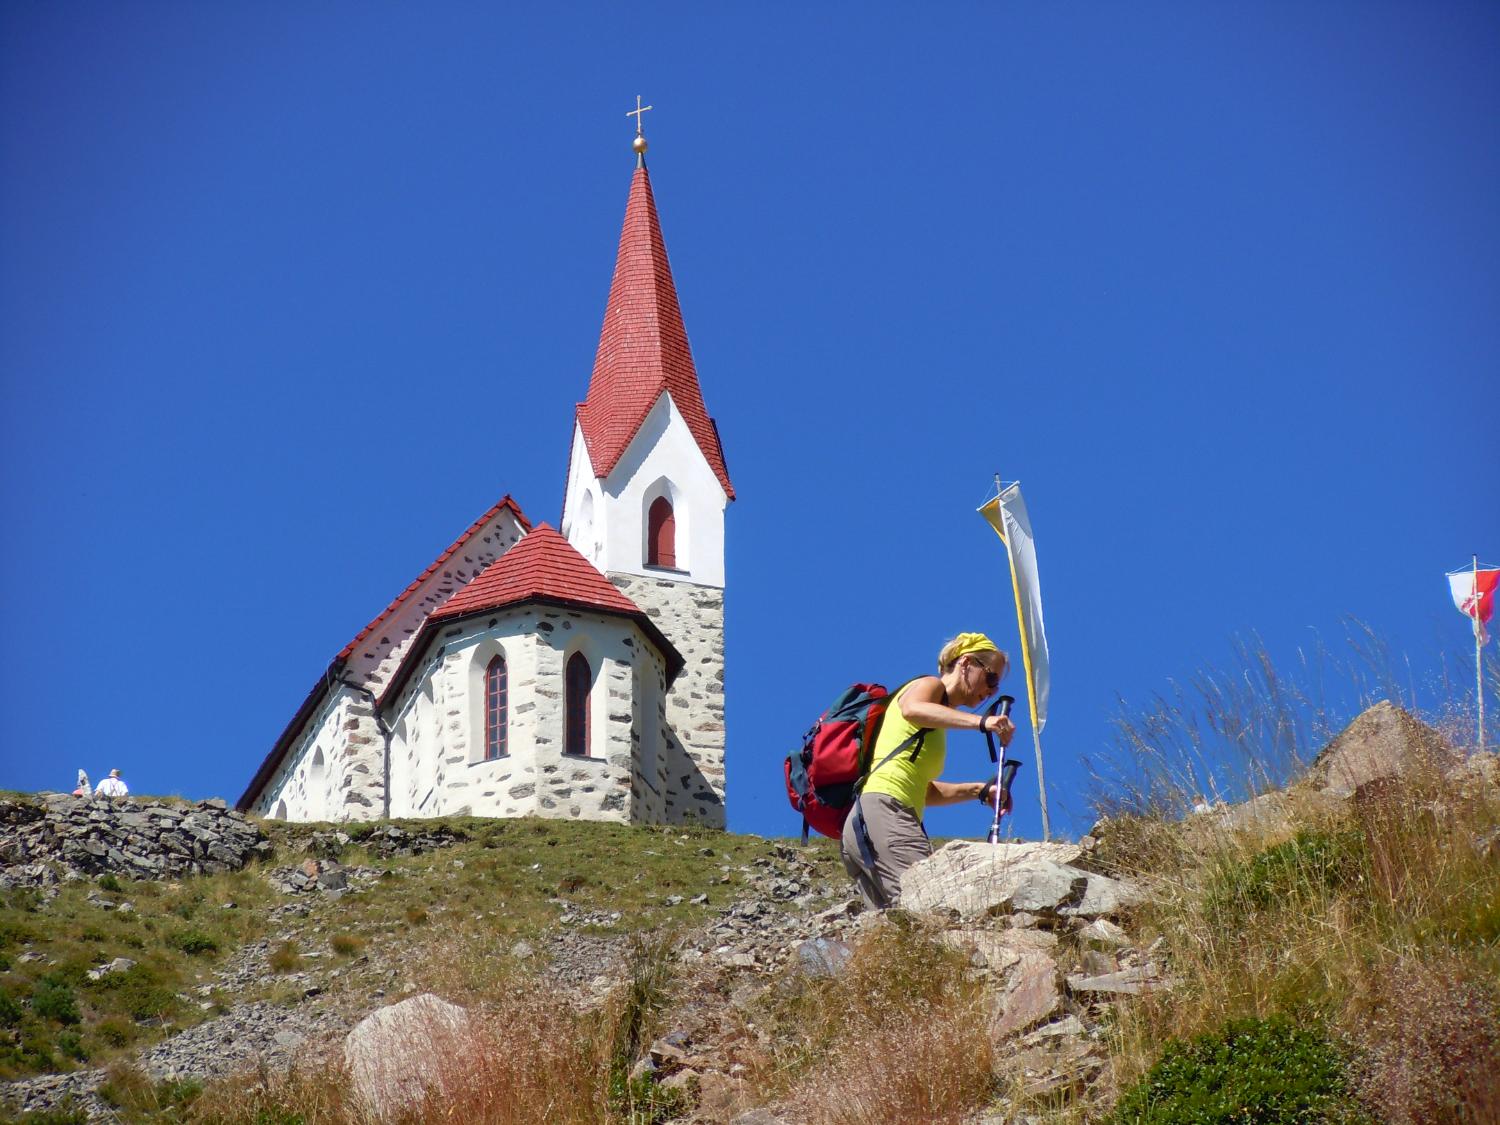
<point>83,788</point>
<point>113,786</point>
<point>884,834</point>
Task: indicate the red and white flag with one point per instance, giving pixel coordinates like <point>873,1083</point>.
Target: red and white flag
<point>1474,595</point>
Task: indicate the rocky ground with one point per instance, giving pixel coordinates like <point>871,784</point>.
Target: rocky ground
<point>785,918</point>
<point>1040,924</point>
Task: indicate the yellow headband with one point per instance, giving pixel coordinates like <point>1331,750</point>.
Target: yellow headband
<point>966,644</point>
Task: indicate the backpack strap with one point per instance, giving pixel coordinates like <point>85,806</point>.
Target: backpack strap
<point>914,743</point>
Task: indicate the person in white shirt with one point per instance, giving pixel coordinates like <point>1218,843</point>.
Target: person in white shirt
<point>112,786</point>
<point>83,789</point>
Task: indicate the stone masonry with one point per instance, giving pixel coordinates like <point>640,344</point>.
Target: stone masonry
<point>692,618</point>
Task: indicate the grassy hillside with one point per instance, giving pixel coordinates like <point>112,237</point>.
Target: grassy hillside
<point>1332,960</point>
<point>448,919</point>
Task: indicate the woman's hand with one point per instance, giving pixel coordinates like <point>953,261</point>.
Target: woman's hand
<point>1000,726</point>
<point>987,798</point>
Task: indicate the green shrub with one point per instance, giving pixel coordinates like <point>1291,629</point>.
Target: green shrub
<point>68,1113</point>
<point>52,999</point>
<point>114,1031</point>
<point>10,1011</point>
<point>645,1101</point>
<point>193,942</point>
<point>16,933</point>
<point>1308,866</point>
<point>139,992</point>
<point>70,1043</point>
<point>109,882</point>
<point>1264,1072</point>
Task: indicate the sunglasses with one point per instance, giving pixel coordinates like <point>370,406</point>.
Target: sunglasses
<point>991,679</point>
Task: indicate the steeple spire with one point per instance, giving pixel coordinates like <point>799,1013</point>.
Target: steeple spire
<point>643,346</point>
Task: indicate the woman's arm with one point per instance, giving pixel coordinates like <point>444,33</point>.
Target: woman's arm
<point>923,707</point>
<point>954,792</point>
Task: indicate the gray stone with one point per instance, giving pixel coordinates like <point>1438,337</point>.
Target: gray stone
<point>118,965</point>
<point>1383,741</point>
<point>759,1116</point>
<point>822,957</point>
<point>1032,996</point>
<point>971,881</point>
<point>392,1053</point>
<point>1128,982</point>
<point>1104,932</point>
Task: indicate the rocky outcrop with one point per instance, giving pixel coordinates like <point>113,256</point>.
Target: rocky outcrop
<point>59,836</point>
<point>1385,741</point>
<point>967,881</point>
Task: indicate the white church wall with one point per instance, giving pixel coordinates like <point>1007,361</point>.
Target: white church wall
<point>664,459</point>
<point>649,787</point>
<point>606,521</point>
<point>536,776</point>
<point>692,618</point>
<point>319,770</point>
<point>583,499</point>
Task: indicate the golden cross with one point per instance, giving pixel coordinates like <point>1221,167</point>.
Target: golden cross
<point>636,113</point>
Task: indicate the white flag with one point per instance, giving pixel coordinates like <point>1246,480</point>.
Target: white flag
<point>1007,515</point>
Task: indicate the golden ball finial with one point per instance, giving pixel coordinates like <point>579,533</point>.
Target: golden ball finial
<point>639,144</point>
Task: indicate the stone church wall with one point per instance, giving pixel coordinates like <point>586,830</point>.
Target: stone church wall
<point>335,770</point>
<point>692,617</point>
<point>437,763</point>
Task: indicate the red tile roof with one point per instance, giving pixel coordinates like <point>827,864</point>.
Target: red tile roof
<point>543,566</point>
<point>438,563</point>
<point>643,347</point>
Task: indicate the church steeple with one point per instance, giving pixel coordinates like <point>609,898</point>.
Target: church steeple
<point>643,346</point>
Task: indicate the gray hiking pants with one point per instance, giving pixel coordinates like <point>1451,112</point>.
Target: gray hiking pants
<point>895,840</point>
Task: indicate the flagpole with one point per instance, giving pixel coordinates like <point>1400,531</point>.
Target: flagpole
<point>1036,736</point>
<point>1478,657</point>
<point>1041,781</point>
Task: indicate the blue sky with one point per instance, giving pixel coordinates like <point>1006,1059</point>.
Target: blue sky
<point>289,294</point>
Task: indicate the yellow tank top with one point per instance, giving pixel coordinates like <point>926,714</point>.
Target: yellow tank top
<point>902,778</point>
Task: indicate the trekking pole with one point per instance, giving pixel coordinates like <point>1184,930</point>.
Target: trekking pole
<point>1005,771</point>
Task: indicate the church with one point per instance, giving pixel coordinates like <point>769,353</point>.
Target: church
<point>575,671</point>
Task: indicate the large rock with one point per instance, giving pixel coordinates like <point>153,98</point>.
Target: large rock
<point>395,1054</point>
<point>1384,741</point>
<point>1030,997</point>
<point>971,881</point>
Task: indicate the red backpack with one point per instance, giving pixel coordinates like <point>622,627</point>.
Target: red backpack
<point>824,775</point>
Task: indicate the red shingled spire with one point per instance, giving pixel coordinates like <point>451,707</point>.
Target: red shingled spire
<point>643,348</point>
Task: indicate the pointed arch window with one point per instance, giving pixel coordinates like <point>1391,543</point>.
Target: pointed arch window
<point>496,708</point>
<point>580,678</point>
<point>661,534</point>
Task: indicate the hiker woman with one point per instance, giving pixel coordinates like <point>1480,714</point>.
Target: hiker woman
<point>884,835</point>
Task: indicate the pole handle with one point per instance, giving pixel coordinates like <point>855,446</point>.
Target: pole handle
<point>1001,706</point>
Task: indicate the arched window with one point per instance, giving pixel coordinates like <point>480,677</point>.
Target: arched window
<point>496,708</point>
<point>580,679</point>
<point>661,534</point>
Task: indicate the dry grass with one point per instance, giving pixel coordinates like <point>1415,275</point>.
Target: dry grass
<point>899,1036</point>
<point>1428,1035</point>
<point>525,1053</point>
<point>1377,919</point>
<point>529,1059</point>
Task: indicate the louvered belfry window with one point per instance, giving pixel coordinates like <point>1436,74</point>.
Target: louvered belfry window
<point>496,708</point>
<point>661,534</point>
<point>580,678</point>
